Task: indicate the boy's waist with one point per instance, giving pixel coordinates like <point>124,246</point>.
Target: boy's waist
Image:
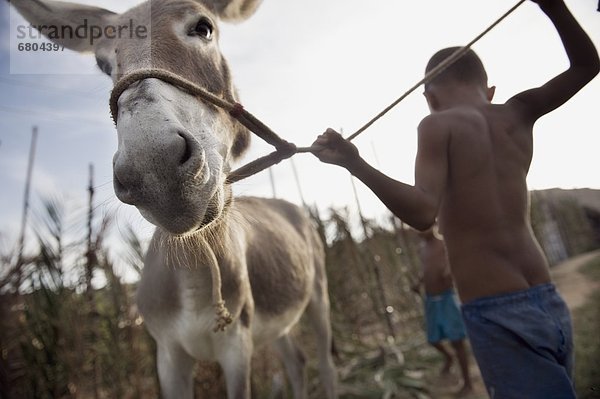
<point>481,278</point>
<point>539,291</point>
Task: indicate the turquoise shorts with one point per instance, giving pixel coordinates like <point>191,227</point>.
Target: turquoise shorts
<point>444,321</point>
<point>523,343</point>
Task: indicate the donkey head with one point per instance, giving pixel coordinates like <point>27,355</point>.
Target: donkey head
<point>174,151</point>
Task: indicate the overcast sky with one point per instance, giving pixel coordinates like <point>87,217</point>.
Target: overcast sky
<point>302,66</point>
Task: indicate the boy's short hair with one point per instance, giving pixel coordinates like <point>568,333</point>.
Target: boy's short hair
<point>467,69</point>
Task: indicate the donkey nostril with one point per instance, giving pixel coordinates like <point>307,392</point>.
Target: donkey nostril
<point>187,150</point>
<point>192,157</point>
<point>123,192</point>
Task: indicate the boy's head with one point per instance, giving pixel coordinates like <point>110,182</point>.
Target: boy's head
<point>467,71</point>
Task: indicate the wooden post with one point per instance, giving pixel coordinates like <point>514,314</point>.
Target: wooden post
<point>298,182</point>
<point>90,254</point>
<point>21,244</point>
<point>89,274</point>
<point>380,288</point>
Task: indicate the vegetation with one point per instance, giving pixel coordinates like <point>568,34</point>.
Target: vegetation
<point>61,337</point>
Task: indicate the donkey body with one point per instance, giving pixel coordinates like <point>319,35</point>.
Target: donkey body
<point>265,290</point>
<point>173,155</point>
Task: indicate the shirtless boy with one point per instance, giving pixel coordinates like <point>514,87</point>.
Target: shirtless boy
<point>472,161</point>
<point>442,312</point>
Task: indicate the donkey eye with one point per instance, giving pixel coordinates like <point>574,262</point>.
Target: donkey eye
<point>203,29</point>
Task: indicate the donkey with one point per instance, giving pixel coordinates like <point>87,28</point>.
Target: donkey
<point>174,152</point>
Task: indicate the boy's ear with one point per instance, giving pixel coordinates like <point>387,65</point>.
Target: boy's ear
<point>57,19</point>
<point>490,93</point>
<point>431,100</point>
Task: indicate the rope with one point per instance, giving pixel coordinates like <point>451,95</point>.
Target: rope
<point>223,317</point>
<point>265,162</point>
<point>436,71</point>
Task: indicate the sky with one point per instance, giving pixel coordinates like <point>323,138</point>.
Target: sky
<point>300,67</point>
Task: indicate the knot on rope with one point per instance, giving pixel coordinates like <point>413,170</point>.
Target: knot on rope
<point>285,149</point>
<point>223,318</point>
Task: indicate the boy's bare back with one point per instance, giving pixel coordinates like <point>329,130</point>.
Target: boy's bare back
<point>486,151</point>
<point>484,211</point>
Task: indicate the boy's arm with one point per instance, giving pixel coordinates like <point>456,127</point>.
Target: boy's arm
<point>416,205</point>
<point>584,65</point>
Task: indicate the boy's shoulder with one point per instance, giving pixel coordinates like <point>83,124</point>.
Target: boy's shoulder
<point>455,117</point>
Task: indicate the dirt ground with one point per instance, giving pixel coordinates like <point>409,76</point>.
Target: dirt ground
<point>574,288</point>
<point>572,285</point>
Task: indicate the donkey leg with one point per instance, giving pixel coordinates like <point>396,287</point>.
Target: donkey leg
<point>175,372</point>
<point>318,314</point>
<point>234,356</point>
<point>294,362</point>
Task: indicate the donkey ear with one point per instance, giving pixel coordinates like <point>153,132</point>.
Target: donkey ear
<point>233,10</point>
<point>59,20</point>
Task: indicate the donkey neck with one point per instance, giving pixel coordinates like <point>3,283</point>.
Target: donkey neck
<point>189,259</point>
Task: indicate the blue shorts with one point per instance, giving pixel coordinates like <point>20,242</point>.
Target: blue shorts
<point>443,317</point>
<point>523,343</point>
